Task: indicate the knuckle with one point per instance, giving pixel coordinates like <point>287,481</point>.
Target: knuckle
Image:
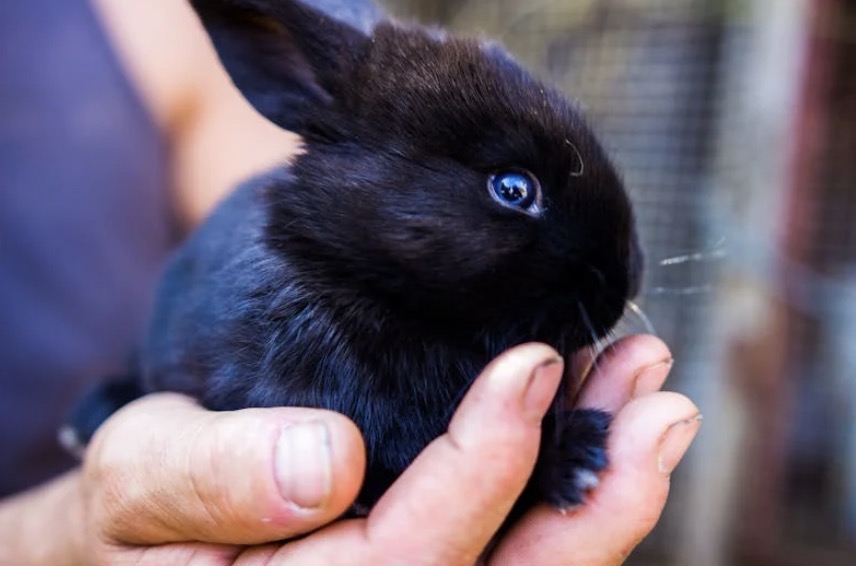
<point>113,487</point>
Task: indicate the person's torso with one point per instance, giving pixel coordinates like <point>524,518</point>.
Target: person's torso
<point>85,224</point>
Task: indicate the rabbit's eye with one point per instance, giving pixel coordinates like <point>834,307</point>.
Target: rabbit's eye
<point>516,189</point>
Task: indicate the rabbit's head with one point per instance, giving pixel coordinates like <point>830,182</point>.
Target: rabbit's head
<point>439,179</point>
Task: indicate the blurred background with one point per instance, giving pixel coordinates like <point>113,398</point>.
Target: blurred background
<point>734,123</point>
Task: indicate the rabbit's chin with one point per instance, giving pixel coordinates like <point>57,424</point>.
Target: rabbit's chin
<point>504,329</point>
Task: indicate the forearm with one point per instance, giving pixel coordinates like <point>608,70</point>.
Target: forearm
<point>43,526</point>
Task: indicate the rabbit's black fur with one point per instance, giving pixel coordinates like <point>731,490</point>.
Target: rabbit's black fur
<point>376,276</point>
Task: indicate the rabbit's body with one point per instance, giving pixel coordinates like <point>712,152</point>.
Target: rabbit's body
<point>447,206</point>
<point>268,335</point>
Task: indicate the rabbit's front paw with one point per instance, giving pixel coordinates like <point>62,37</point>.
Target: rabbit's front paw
<point>573,452</point>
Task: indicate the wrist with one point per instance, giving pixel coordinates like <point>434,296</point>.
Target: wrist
<point>44,525</point>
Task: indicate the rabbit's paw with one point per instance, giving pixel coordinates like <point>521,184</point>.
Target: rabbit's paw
<point>573,452</point>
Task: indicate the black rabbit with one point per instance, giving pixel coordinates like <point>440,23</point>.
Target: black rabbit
<point>447,206</point>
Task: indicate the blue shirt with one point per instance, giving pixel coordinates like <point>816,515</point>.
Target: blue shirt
<point>85,224</point>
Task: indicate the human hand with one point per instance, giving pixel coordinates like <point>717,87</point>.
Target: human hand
<point>450,502</point>
<point>166,482</point>
<point>650,434</point>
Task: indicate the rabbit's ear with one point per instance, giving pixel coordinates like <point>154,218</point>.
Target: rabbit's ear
<point>287,58</point>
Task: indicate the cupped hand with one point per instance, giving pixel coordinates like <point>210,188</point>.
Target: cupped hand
<point>650,434</point>
<point>166,482</point>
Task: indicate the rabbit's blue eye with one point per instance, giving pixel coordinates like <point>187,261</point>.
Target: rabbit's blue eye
<point>515,189</point>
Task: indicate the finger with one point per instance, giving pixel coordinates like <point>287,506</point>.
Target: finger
<point>448,504</point>
<point>164,470</point>
<point>649,437</point>
<point>184,553</point>
<point>632,367</point>
<point>451,500</point>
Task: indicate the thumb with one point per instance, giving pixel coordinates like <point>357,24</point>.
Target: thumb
<point>165,470</point>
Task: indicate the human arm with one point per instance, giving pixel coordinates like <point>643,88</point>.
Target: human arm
<point>215,138</point>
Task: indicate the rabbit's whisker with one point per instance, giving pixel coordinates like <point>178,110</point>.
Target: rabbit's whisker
<point>610,340</point>
<point>596,346</point>
<point>587,321</point>
<point>717,252</point>
<point>680,291</point>
<point>582,169</point>
<point>643,318</point>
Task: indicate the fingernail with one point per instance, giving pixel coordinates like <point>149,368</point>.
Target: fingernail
<point>650,378</point>
<point>303,464</point>
<point>675,443</point>
<point>541,389</point>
